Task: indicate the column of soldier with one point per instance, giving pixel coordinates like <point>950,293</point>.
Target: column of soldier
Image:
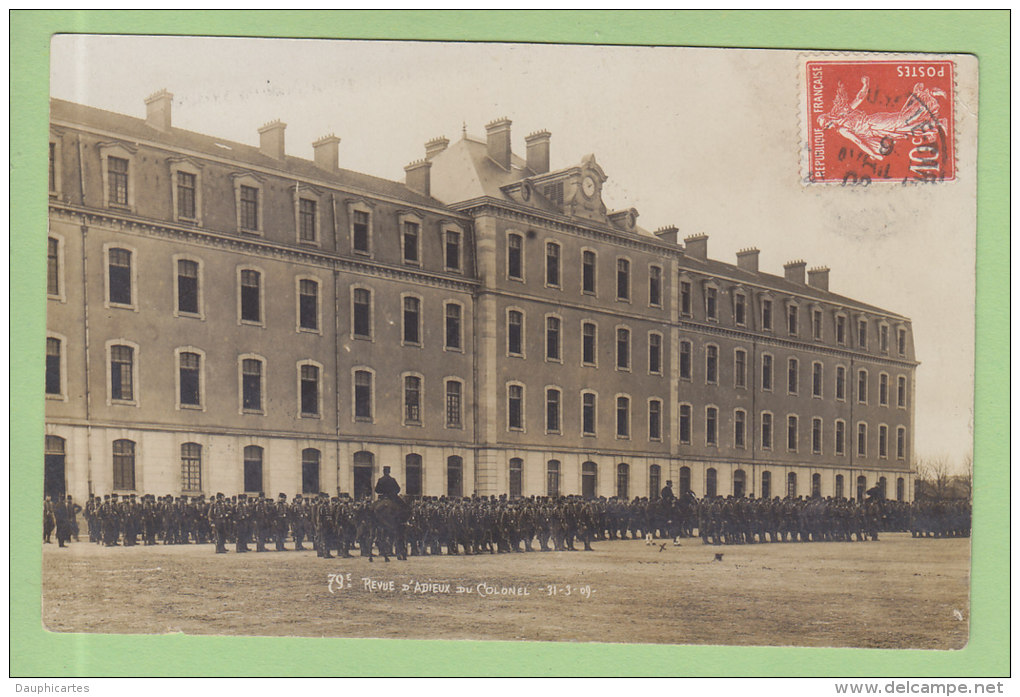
<point>490,524</point>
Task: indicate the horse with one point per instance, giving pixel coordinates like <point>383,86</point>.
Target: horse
<point>389,526</point>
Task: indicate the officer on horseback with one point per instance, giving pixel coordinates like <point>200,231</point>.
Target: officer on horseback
<point>387,486</point>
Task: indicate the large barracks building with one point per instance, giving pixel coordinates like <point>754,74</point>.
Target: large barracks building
<point>224,317</point>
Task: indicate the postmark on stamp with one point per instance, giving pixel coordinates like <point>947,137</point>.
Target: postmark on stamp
<point>879,120</point>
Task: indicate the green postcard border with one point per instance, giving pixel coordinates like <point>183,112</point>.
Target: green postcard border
<point>36,652</point>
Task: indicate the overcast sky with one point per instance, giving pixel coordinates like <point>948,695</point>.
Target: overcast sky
<point>705,139</point>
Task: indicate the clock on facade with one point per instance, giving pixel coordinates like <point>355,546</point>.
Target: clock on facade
<point>588,187</point>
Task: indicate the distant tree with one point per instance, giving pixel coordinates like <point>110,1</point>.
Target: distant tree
<point>933,478</point>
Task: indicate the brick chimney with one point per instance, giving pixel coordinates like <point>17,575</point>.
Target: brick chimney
<point>327,153</point>
<point>794,271</point>
<point>418,176</point>
<point>747,259</point>
<point>498,139</point>
<point>271,139</point>
<point>435,146</point>
<point>696,246</point>
<point>668,234</point>
<point>538,151</point>
<point>157,110</point>
<point>818,277</point>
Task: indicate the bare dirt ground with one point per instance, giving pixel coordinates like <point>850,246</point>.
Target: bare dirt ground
<point>895,593</point>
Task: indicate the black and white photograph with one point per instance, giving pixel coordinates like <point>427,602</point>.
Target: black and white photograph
<point>519,342</point>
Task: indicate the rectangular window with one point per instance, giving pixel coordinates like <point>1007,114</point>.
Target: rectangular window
<point>251,384</point>
<point>186,201</point>
<point>53,166</point>
<point>862,333</point>
<point>514,257</point>
<point>901,443</point>
<point>53,266</point>
<point>684,424</point>
<point>552,264</point>
<point>122,373</point>
<point>623,349</point>
<point>249,208</point>
<point>453,399</point>
<point>360,232</point>
<point>362,395</point>
<point>251,301</point>
<point>123,464</point>
<point>453,337</point>
<point>552,338</point>
<point>191,467</point>
<point>307,218</point>
<point>120,276</point>
<point>711,303</point>
<point>841,330</point>
<point>411,242</point>
<point>654,354</point>
<point>791,433</point>
<point>452,250</point>
<point>711,365</point>
<point>862,386</point>
<point>766,430</point>
<point>685,298</point>
<point>792,315</point>
<point>588,272</point>
<point>190,372</point>
<point>840,382</point>
<point>622,417</point>
<point>588,343</point>
<point>362,313</point>
<point>901,391</point>
<point>552,411</point>
<point>792,372</point>
<point>862,440</point>
<point>654,286</point>
<point>711,426</point>
<point>816,436</point>
<point>412,321</point>
<point>883,390</point>
<point>412,400</point>
<point>740,368</point>
<point>117,171</point>
<point>766,314</point>
<point>739,427</point>
<point>883,441</point>
<point>816,380</point>
<point>588,414</point>
<point>654,420</point>
<point>622,279</point>
<point>883,338</point>
<point>739,310</point>
<point>840,438</point>
<point>766,372</point>
<point>515,333</point>
<point>901,342</point>
<point>187,286</point>
<point>685,360</point>
<point>309,390</point>
<point>816,324</point>
<point>515,407</point>
<point>53,378</point>
<point>308,304</point>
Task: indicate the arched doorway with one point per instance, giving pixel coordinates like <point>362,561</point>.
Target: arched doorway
<point>739,484</point>
<point>839,486</point>
<point>711,482</point>
<point>900,488</point>
<point>412,474</point>
<point>589,479</point>
<point>623,480</point>
<point>882,487</point>
<point>862,486</point>
<point>654,481</point>
<point>683,480</point>
<point>816,486</point>
<point>55,472</point>
<point>766,484</point>
<point>791,485</point>
<point>454,476</point>
<point>364,469</point>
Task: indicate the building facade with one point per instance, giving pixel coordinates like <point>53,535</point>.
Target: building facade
<point>224,317</point>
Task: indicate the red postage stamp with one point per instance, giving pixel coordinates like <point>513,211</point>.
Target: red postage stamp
<point>880,121</point>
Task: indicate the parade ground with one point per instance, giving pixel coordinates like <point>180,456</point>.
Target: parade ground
<point>896,593</point>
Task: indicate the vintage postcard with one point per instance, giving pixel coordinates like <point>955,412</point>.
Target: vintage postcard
<point>494,341</point>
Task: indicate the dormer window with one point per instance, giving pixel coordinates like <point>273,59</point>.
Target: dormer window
<point>711,303</point>
<point>248,199</point>
<point>118,170</point>
<point>766,314</point>
<point>185,177</point>
<point>739,309</point>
